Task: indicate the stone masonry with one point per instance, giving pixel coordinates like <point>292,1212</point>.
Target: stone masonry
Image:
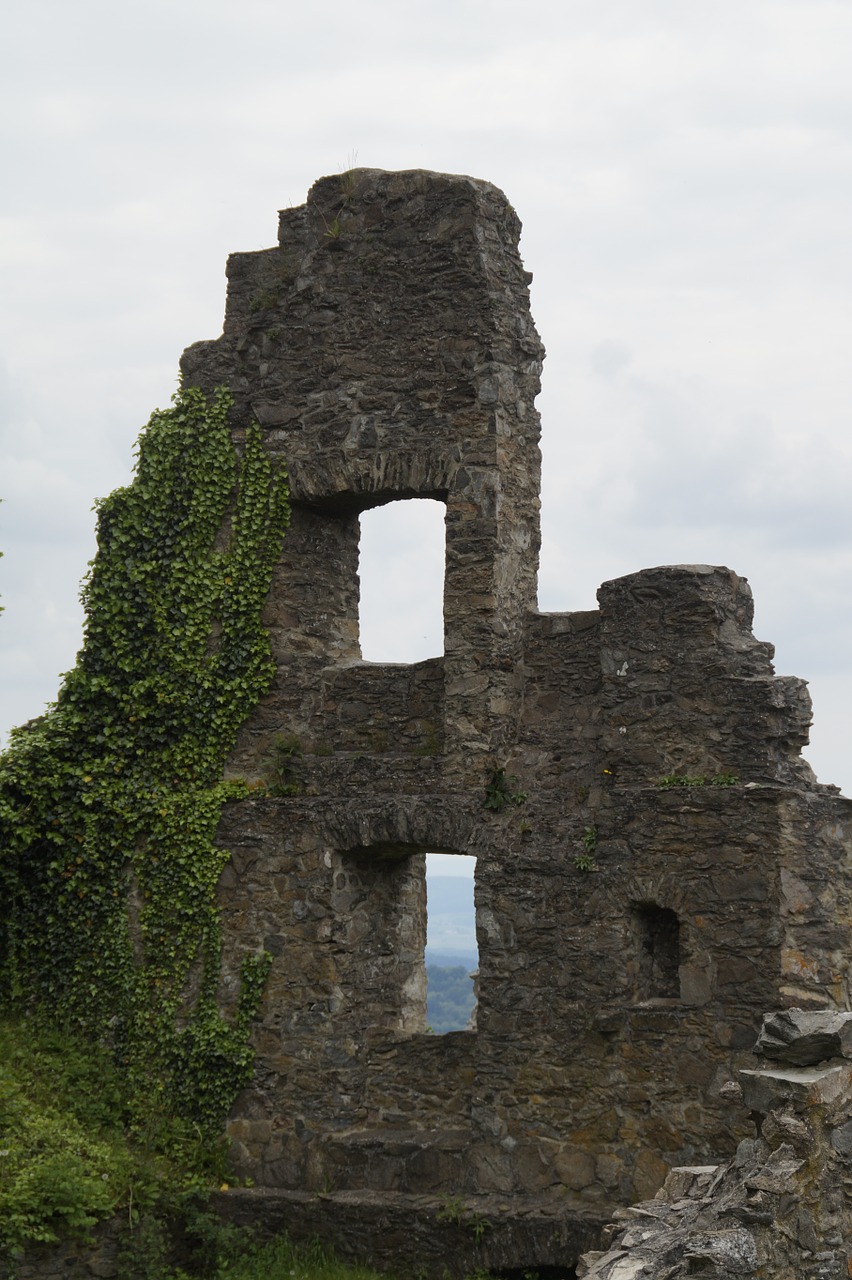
<point>674,869</point>
<point>781,1207</point>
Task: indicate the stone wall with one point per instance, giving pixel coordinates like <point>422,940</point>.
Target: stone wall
<point>387,349</point>
<point>674,869</point>
<point>780,1207</point>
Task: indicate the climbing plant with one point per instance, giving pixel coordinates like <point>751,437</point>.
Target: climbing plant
<point>109,803</point>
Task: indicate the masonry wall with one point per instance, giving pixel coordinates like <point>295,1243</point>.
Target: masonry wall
<point>630,933</point>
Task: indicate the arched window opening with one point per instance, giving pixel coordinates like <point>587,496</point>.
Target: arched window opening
<point>452,954</point>
<point>657,934</point>
<point>401,571</point>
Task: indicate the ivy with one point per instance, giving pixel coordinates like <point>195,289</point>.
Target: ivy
<point>109,804</point>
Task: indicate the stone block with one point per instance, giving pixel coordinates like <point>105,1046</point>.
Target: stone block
<point>805,1037</point>
<point>781,1128</point>
<point>696,986</point>
<point>779,1174</point>
<point>531,1170</point>
<point>649,1174</point>
<point>608,1169</point>
<point>575,1169</point>
<point>731,1251</point>
<point>689,1180</point>
<point>801,1086</point>
<point>491,1167</point>
<point>841,1139</point>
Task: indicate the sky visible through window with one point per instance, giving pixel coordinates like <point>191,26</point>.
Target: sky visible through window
<point>401,568</point>
<point>451,950</point>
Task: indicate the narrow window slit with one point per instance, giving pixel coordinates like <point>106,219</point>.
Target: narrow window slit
<point>452,956</point>
<point>657,935</point>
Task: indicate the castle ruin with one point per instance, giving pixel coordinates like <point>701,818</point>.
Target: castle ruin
<point>674,871</point>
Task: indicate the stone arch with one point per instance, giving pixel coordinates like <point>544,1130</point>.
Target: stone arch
<point>356,482</point>
<point>658,937</point>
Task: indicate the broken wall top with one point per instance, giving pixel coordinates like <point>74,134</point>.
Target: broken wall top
<point>386,348</point>
<point>386,343</point>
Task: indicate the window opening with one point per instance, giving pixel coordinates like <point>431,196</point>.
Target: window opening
<point>401,571</point>
<point>658,937</point>
<point>452,953</point>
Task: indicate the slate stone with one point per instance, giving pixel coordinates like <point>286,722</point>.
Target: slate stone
<point>841,1139</point>
<point>804,1037</point>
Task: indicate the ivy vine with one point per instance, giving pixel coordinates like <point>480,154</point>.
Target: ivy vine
<point>110,802</point>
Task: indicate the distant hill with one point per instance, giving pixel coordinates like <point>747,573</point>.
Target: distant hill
<point>449,997</point>
<point>467,960</point>
<point>451,952</point>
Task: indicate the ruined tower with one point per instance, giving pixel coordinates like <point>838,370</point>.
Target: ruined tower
<point>674,869</point>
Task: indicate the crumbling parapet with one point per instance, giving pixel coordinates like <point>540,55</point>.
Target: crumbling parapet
<point>613,1001</point>
<point>688,690</point>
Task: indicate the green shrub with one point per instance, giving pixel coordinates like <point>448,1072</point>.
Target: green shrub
<point>282,1259</point>
<point>63,1159</point>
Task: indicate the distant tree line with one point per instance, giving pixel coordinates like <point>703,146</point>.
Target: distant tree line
<point>449,997</point>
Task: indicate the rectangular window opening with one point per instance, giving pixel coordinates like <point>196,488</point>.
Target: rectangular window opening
<point>401,572</point>
<point>657,936</point>
<point>452,953</point>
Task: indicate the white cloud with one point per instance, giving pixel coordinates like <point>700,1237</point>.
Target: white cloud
<point>684,172</point>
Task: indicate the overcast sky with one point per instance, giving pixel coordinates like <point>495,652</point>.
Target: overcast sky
<point>683,170</point>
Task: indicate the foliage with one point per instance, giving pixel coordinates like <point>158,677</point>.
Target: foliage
<point>54,1174</point>
<point>66,1162</point>
<point>499,792</point>
<point>456,1211</point>
<point>284,776</point>
<point>282,1259</point>
<point>450,998</point>
<point>64,1158</point>
<point>109,804</point>
<point>585,861</point>
<point>452,1210</point>
<point>347,191</point>
<point>672,780</point>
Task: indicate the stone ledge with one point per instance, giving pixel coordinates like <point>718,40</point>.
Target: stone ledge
<point>428,1235</point>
